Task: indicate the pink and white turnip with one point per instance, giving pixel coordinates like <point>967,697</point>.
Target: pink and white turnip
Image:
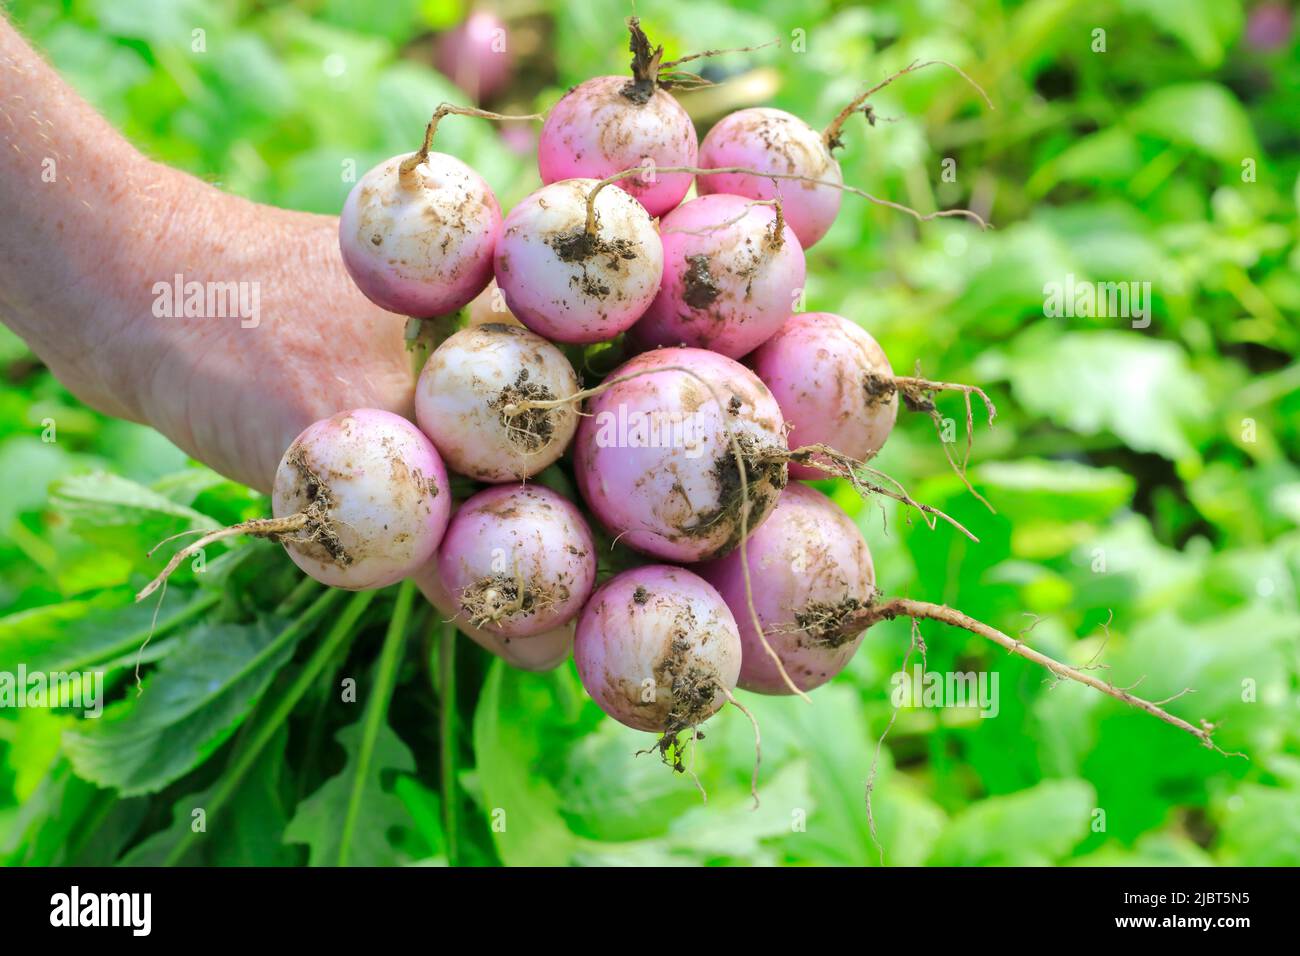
<point>833,383</point>
<point>811,573</point>
<point>470,383</point>
<point>518,560</point>
<point>418,238</point>
<point>612,123</point>
<point>657,649</point>
<point>476,55</point>
<point>375,495</point>
<point>774,141</point>
<point>654,458</point>
<point>732,273</point>
<point>572,284</point>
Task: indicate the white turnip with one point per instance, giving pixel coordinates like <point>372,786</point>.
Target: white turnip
<point>470,381</point>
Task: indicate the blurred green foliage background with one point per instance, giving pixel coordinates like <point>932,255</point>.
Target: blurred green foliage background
<point>1149,474</point>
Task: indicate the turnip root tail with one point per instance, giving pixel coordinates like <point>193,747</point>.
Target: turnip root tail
<point>745,170</point>
<point>918,396</point>
<point>257,527</point>
<point>758,742</point>
<point>887,610</point>
<point>866,479</point>
<point>831,135</point>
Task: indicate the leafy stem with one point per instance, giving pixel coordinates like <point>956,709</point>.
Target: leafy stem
<point>447,733</point>
<point>243,760</point>
<point>390,656</point>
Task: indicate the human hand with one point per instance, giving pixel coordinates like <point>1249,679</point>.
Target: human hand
<point>89,265</point>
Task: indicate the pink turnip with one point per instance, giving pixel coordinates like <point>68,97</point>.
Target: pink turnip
<point>542,652</point>
<point>654,458</point>
<point>657,649</point>
<point>469,384</point>
<point>476,55</point>
<point>732,273</point>
<point>518,560</point>
<point>377,495</point>
<point>811,574</point>
<point>359,500</point>
<point>418,237</point>
<point>572,283</point>
<point>773,141</point>
<point>833,383</point>
<point>612,123</point>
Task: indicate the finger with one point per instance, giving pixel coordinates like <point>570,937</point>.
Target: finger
<point>542,652</point>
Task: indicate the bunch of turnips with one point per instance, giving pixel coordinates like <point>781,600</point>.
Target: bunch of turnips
<point>636,409</point>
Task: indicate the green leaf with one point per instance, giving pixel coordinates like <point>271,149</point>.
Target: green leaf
<point>1203,116</point>
<point>1154,849</point>
<point>247,831</point>
<point>121,515</point>
<point>337,820</point>
<point>189,706</point>
<point>1205,27</point>
<point>521,805</point>
<point>723,831</point>
<point>182,844</point>
<point>1258,826</point>
<point>1034,827</point>
<point>1140,389</point>
<point>317,820</point>
<point>99,632</point>
<point>60,820</point>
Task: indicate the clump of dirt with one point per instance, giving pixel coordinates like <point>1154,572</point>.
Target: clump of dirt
<point>830,623</point>
<point>765,473</point>
<point>578,245</point>
<point>877,388</point>
<point>699,288</point>
<point>531,428</point>
<point>640,595</point>
<point>692,685</point>
<point>880,389</point>
<point>581,247</point>
<point>318,532</point>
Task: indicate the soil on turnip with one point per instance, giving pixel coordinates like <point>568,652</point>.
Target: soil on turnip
<point>699,287</point>
<point>318,536</point>
<point>533,428</point>
<point>693,687</point>
<point>579,246</point>
<point>499,597</point>
<point>830,624</point>
<point>765,473</point>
